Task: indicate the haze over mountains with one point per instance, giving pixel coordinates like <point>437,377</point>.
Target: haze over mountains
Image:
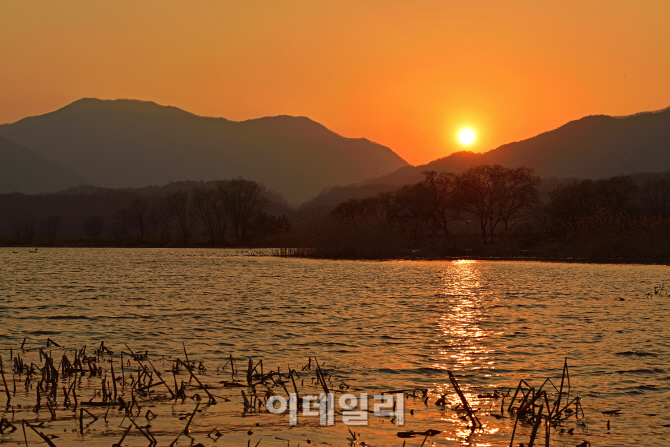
<point>594,147</point>
<point>127,143</point>
<point>23,170</point>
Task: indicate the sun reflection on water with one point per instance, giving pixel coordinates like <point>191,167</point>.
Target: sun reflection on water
<point>461,335</point>
<point>462,341</point>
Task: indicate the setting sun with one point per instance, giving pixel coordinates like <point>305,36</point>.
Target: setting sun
<point>448,167</point>
<point>466,136</point>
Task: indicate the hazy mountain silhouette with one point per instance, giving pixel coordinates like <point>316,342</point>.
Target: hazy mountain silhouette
<point>23,170</point>
<point>331,197</point>
<point>594,147</point>
<point>128,143</point>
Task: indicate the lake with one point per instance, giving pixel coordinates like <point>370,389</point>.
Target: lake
<point>374,326</point>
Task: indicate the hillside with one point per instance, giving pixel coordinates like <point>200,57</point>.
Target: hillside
<point>127,143</point>
<point>23,170</point>
<point>592,147</point>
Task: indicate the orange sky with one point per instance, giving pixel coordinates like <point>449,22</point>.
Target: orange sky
<point>406,74</point>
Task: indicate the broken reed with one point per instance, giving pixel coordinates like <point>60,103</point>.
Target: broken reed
<point>529,406</point>
<point>56,380</point>
<point>56,388</point>
<point>532,406</point>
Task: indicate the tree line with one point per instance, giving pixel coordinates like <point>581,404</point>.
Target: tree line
<point>222,213</point>
<point>497,211</point>
<point>486,211</point>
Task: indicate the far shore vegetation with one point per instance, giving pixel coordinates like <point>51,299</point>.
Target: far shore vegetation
<point>486,211</point>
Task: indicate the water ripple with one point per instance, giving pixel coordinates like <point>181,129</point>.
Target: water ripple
<point>388,324</point>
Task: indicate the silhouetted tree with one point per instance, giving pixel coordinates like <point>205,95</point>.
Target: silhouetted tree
<point>211,210</point>
<point>579,199</point>
<point>268,225</point>
<point>244,200</point>
<point>92,226</point>
<point>441,196</point>
<point>573,201</point>
<point>616,193</point>
<point>160,218</point>
<point>181,211</point>
<point>355,208</point>
<point>210,207</point>
<point>655,196</point>
<point>498,195</point>
<point>25,229</point>
<point>138,217</point>
<point>49,227</point>
<point>407,210</point>
<point>202,198</point>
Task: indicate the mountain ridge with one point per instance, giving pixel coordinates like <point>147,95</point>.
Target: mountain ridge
<point>119,143</point>
<point>594,146</point>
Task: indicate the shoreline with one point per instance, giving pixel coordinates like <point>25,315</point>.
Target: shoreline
<point>271,252</point>
<point>626,261</point>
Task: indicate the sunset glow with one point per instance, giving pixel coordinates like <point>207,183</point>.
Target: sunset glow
<point>384,71</point>
<point>407,211</point>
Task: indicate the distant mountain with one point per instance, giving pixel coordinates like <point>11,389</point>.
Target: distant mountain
<point>127,143</point>
<point>331,197</point>
<point>23,170</point>
<point>592,147</point>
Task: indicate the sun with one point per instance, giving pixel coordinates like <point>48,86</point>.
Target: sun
<point>466,136</point>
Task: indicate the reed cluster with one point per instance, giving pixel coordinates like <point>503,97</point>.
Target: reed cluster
<point>81,386</point>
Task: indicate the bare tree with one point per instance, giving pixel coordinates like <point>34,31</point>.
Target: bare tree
<point>441,195</point>
<point>49,227</point>
<point>576,200</point>
<point>573,201</point>
<point>181,212</point>
<point>655,197</point>
<point>407,210</point>
<point>616,193</point>
<point>138,217</point>
<point>92,226</point>
<point>498,195</point>
<point>25,229</point>
<point>201,199</point>
<point>211,210</point>
<point>160,218</point>
<point>120,226</point>
<point>244,200</point>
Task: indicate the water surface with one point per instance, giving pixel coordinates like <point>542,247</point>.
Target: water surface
<point>377,326</point>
